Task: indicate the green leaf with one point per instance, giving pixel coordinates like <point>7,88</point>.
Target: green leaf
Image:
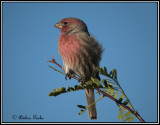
<point>54,90</point>
<point>97,83</point>
<point>114,74</point>
<point>120,114</point>
<point>130,106</point>
<point>98,68</point>
<point>50,94</point>
<point>81,112</point>
<point>111,86</point>
<point>81,106</point>
<point>129,119</point>
<point>121,107</point>
<point>108,90</point>
<point>70,89</point>
<point>102,71</point>
<point>105,71</point>
<point>53,93</point>
<point>116,94</point>
<point>111,74</point>
<point>124,110</point>
<point>122,117</point>
<point>127,114</point>
<point>80,87</point>
<point>126,102</point>
<point>121,97</point>
<point>111,89</point>
<point>61,89</point>
<point>89,84</point>
<point>75,87</point>
<point>105,83</point>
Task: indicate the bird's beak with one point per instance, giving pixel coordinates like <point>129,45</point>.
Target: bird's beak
<point>58,25</point>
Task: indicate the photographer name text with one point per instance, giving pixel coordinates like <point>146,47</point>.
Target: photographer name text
<point>27,117</point>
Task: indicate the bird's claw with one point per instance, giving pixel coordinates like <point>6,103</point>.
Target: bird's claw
<point>68,75</point>
<point>82,81</point>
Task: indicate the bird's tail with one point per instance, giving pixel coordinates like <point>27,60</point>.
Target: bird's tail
<point>92,113</point>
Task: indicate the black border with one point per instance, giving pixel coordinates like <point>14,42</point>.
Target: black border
<point>78,2</point>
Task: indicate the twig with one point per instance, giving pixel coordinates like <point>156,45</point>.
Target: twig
<point>54,61</point>
<point>104,94</point>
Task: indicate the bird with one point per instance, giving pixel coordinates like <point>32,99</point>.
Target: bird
<point>81,54</point>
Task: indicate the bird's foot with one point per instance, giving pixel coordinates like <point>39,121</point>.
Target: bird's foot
<point>68,75</point>
<point>82,81</point>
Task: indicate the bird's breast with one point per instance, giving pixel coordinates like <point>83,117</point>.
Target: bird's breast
<point>68,47</point>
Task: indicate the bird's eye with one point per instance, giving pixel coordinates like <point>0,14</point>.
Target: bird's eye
<point>65,23</point>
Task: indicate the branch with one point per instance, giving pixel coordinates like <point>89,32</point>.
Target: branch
<point>104,94</point>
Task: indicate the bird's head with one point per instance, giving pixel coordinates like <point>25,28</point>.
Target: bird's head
<point>71,25</point>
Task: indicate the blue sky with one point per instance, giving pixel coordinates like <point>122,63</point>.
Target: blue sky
<point>128,33</point>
